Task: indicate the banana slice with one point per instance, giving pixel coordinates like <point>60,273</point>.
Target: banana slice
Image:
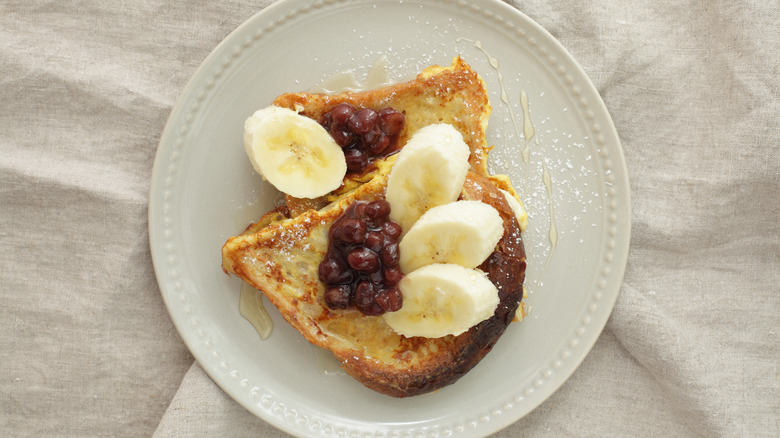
<point>462,232</point>
<point>517,207</point>
<point>443,299</point>
<point>293,152</point>
<point>429,171</point>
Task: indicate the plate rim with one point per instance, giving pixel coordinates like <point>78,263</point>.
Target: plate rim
<point>224,49</point>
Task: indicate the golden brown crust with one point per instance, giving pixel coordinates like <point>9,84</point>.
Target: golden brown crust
<point>281,260</point>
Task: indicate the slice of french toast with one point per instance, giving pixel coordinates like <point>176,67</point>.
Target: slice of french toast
<point>281,259</point>
<point>454,94</point>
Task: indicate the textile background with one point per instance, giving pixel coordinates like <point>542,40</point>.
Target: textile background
<point>88,348</point>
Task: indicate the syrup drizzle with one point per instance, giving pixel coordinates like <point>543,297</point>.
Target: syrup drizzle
<point>250,302</point>
<point>528,127</point>
<point>250,306</point>
<point>528,135</point>
<point>528,130</point>
<point>553,234</point>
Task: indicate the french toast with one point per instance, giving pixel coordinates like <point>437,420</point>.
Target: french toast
<point>454,94</point>
<point>281,260</point>
<point>279,255</point>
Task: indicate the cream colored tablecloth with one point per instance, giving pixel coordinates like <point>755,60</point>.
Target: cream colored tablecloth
<point>88,349</point>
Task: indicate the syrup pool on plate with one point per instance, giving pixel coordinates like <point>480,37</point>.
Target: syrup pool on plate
<point>251,307</point>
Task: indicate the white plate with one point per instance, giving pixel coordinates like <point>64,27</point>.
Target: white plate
<point>204,190</point>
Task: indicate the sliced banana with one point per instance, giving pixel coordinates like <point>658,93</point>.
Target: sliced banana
<point>429,171</point>
<point>293,152</point>
<point>517,207</point>
<point>443,299</point>
<point>461,232</point>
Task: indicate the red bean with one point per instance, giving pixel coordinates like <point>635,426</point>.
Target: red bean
<point>374,241</point>
<point>356,159</point>
<point>364,121</point>
<point>332,272</point>
<point>364,293</point>
<point>391,121</point>
<point>368,140</point>
<point>391,254</point>
<point>337,297</point>
<point>391,229</point>
<point>380,144</point>
<point>342,136</point>
<point>335,229</point>
<point>326,121</point>
<point>390,300</point>
<point>377,209</point>
<point>393,275</point>
<point>341,114</point>
<point>363,260</point>
<point>353,231</point>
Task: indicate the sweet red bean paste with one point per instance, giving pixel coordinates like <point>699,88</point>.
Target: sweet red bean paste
<point>363,134</point>
<point>361,265</point>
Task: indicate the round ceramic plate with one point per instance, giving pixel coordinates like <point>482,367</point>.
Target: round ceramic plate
<point>204,190</point>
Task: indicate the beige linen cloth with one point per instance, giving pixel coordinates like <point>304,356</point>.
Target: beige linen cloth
<point>88,349</point>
